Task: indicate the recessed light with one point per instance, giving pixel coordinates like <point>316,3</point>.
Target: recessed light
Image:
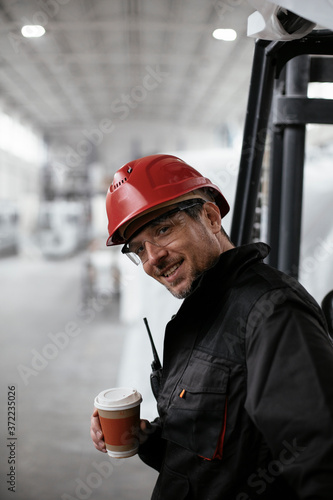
<point>228,35</point>
<point>32,31</point>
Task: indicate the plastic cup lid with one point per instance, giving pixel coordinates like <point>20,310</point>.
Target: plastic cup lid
<point>118,398</point>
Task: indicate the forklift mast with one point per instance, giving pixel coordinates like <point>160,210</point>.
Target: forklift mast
<point>278,105</point>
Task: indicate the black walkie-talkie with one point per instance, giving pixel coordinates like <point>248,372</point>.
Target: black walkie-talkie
<point>156,367</point>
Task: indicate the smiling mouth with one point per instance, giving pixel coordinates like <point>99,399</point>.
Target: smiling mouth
<point>172,270</point>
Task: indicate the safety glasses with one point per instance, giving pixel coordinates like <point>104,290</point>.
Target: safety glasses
<point>160,232</point>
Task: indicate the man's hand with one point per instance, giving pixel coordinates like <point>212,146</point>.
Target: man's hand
<point>96,432</point>
<point>145,430</point>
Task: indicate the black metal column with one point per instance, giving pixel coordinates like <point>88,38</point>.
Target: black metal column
<point>275,180</point>
<point>255,130</point>
<point>274,195</point>
<point>297,77</point>
<point>292,111</point>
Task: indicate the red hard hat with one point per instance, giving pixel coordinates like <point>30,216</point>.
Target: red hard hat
<point>149,182</point>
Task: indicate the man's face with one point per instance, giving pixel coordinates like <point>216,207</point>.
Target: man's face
<point>194,249</point>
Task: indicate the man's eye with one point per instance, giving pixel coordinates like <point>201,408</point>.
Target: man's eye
<point>139,250</point>
<point>163,230</point>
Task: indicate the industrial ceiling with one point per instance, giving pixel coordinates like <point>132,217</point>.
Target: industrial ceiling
<point>115,71</point>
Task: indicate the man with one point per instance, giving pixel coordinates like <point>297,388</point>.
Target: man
<point>246,394</point>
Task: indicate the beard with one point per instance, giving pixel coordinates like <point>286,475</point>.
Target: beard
<point>185,292</point>
<point>193,282</point>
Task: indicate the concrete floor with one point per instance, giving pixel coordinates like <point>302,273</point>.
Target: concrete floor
<point>55,385</point>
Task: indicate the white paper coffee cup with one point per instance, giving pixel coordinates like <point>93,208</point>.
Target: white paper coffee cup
<point>119,414</point>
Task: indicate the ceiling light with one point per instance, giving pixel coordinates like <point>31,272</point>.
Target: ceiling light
<point>32,31</point>
<point>228,35</point>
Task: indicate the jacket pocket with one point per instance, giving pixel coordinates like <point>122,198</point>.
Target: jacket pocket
<point>196,418</point>
<point>170,486</point>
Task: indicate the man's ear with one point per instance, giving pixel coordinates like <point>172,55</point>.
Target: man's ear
<point>213,215</point>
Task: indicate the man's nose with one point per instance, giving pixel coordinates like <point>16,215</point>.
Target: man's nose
<point>155,252</point>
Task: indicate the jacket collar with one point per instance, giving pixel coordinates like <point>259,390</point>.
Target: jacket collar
<point>218,279</point>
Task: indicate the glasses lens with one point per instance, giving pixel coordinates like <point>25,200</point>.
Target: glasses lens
<point>133,257</point>
<point>164,230</point>
<point>131,254</point>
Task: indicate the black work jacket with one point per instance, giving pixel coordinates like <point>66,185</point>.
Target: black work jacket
<point>246,400</point>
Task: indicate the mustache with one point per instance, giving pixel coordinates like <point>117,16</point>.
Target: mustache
<point>167,264</point>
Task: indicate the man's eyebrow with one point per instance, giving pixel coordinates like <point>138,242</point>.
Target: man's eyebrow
<point>154,222</point>
<point>161,218</point>
<point>136,237</point>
